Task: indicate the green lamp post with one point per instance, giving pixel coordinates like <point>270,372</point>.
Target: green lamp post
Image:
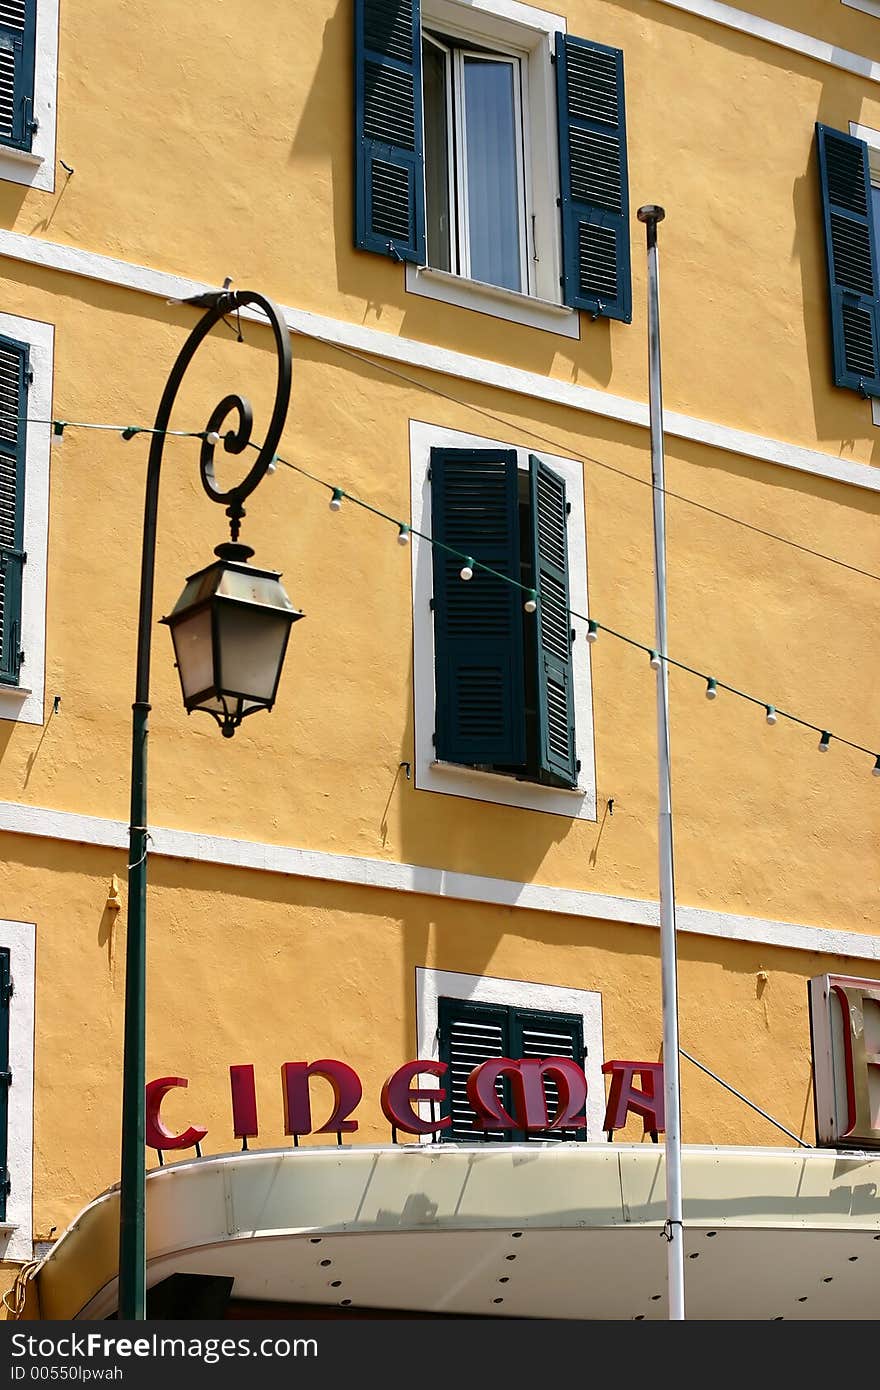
<point>230,630</point>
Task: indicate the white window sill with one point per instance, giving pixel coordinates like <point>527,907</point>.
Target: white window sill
<point>17,703</point>
<point>505,777</point>
<point>866,6</point>
<point>23,156</point>
<point>24,166</point>
<point>493,300</point>
<point>14,692</point>
<point>457,779</point>
<point>875,411</point>
<point>8,1228</point>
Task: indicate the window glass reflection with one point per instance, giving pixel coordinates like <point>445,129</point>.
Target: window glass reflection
<point>492,172</point>
<point>434,78</point>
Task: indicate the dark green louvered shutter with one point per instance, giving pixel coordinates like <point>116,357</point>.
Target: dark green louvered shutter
<point>555,671</point>
<point>18,20</point>
<point>470,1033</point>
<point>536,1033</point>
<point>478,638</point>
<point>853,268</point>
<point>14,377</point>
<point>593,178</point>
<point>389,160</point>
<point>5,1078</point>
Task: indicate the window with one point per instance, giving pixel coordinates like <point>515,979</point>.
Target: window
<point>479,159</point>
<point>18,23</point>
<point>849,205</point>
<point>470,1033</point>
<point>16,1089</point>
<point>502,712</point>
<point>871,140</point>
<point>504,679</point>
<point>464,1019</point>
<point>476,210</point>
<point>28,79</point>
<point>25,407</point>
<point>14,384</point>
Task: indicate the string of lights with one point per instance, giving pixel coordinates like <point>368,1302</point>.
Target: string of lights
<point>470,566</point>
<point>558,446</point>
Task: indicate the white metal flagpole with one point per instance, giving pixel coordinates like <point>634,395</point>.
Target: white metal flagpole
<point>673,1230</point>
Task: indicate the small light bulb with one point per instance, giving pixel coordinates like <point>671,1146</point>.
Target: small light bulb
<point>655,660</point>
<point>592,630</point>
<point>336,499</point>
<point>824,742</point>
<point>272,465</point>
<point>531,603</point>
<point>467,569</point>
<point>711,689</point>
<point>403,535</point>
<point>213,438</point>
<point>876,767</point>
<point>58,431</point>
<point>771,714</point>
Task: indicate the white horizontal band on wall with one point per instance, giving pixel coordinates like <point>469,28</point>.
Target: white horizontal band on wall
<point>448,362</point>
<point>778,34</point>
<point>18,819</point>
<point>871,7</point>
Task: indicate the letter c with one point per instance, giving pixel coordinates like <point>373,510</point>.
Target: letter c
<point>157,1136</point>
<point>398,1095</point>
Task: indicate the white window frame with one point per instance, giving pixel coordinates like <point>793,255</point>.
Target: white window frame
<point>521,31</point>
<point>438,43</point>
<point>24,702</point>
<point>457,167</point>
<point>36,166</point>
<point>16,1232</point>
<point>431,984</point>
<point>452,779</point>
<point>872,140</point>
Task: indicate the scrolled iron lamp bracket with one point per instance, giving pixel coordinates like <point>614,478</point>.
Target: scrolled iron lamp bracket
<point>236,439</point>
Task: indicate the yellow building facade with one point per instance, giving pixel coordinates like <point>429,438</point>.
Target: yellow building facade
<point>318,883</point>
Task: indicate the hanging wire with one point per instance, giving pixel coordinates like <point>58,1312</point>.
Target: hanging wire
<point>127,431</point>
<point>148,840</point>
<point>558,446</point>
<point>15,1298</point>
<point>593,625</point>
<point>566,451</point>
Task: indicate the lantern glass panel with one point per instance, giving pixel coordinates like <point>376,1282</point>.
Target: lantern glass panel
<point>250,645</point>
<point>194,650</point>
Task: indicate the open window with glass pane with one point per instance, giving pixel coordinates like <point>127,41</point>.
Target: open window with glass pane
<point>475,178</point>
<point>458,169</point>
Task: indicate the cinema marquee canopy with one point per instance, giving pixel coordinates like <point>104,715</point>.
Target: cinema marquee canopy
<point>522,1229</point>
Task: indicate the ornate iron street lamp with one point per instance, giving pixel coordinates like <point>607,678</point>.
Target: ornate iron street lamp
<point>230,630</point>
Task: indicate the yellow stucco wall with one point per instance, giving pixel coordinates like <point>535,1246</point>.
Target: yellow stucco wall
<point>262,968</point>
<point>235,158</point>
<point>764,825</point>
